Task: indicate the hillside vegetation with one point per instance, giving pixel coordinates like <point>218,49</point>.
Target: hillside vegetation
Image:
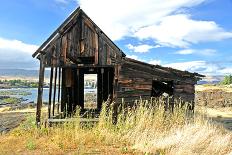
<point>142,129</point>
<point>227,80</point>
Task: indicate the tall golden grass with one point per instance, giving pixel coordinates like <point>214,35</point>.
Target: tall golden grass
<point>145,128</point>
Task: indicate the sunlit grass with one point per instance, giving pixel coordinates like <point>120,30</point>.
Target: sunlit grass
<point>144,128</point>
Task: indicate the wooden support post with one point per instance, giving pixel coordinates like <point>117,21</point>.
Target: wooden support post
<point>102,84</point>
<point>54,94</point>
<point>58,105</point>
<point>108,84</point>
<point>50,93</point>
<point>63,92</point>
<point>40,93</point>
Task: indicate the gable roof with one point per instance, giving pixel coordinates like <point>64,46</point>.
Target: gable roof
<point>62,28</point>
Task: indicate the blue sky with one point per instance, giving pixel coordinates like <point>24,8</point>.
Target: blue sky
<point>193,35</point>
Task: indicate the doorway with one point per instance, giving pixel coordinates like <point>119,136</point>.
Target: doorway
<point>90,91</point>
<point>75,83</point>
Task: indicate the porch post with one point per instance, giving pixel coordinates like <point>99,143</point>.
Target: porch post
<point>40,92</point>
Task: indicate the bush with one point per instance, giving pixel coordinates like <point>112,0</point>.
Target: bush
<point>11,100</point>
<point>227,80</point>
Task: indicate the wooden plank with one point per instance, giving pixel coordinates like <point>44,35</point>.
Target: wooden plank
<point>63,92</point>
<point>40,92</point>
<point>68,77</point>
<point>133,93</point>
<point>82,120</point>
<point>64,49</point>
<point>54,94</point>
<point>58,51</point>
<point>100,54</point>
<point>59,81</point>
<point>184,88</point>
<point>96,48</point>
<point>50,93</point>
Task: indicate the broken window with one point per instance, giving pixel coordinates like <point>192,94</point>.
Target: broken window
<point>162,88</point>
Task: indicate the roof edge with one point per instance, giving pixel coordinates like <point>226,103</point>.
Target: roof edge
<point>196,75</point>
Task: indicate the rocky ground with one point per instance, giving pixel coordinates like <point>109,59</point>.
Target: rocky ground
<point>12,115</point>
<point>9,121</point>
<point>214,96</point>
<point>216,102</point>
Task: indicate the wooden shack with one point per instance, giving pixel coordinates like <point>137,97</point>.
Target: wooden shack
<point>80,47</point>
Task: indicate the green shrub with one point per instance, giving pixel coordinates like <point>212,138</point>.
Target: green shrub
<point>31,144</point>
<point>11,100</point>
<point>227,80</point>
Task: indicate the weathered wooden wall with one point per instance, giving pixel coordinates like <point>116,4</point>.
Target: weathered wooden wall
<point>184,91</point>
<point>135,81</point>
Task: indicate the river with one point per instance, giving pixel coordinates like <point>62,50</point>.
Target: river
<point>32,93</point>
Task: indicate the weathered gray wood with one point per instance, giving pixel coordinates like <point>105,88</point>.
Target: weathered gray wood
<point>40,92</point>
<point>81,120</point>
<point>50,93</point>
<point>59,82</point>
<point>54,93</point>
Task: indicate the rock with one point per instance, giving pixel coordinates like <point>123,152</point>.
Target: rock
<point>4,130</point>
<point>214,98</point>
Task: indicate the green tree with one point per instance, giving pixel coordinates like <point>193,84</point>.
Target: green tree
<point>227,80</point>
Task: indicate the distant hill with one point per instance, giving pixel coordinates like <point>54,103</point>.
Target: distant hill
<point>21,73</point>
<point>215,79</point>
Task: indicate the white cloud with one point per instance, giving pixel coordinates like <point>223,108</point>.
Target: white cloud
<point>186,51</point>
<point>226,70</point>
<point>61,1</point>
<point>206,52</point>
<point>155,62</point>
<point>182,31</point>
<point>16,54</point>
<point>152,61</point>
<point>17,45</point>
<point>164,21</point>
<point>203,67</point>
<point>133,57</point>
<point>140,48</point>
<point>190,65</point>
<point>125,17</point>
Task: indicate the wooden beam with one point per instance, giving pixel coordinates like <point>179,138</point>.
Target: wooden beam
<point>40,93</point>
<point>59,77</point>
<point>63,92</point>
<point>54,94</point>
<point>50,93</point>
<point>96,47</point>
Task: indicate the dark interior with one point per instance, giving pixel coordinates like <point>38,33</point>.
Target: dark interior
<point>73,87</point>
<point>160,87</point>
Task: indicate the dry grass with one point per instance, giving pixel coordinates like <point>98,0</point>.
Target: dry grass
<point>213,88</point>
<point>144,129</point>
